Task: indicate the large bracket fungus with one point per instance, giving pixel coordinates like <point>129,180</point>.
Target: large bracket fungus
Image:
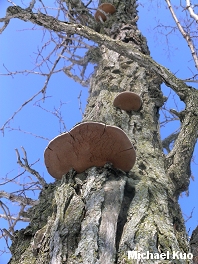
<point>103,11</point>
<point>87,145</point>
<point>128,101</point>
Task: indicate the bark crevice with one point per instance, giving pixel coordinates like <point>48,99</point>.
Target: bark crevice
<point>129,193</point>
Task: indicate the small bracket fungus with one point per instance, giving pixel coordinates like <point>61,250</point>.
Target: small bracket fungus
<point>103,11</point>
<point>87,145</point>
<point>128,101</point>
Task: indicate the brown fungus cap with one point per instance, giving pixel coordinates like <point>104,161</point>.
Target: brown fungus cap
<point>128,101</point>
<point>86,145</point>
<point>106,8</point>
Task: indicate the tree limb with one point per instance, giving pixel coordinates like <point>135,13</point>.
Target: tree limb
<point>17,198</point>
<point>191,11</point>
<point>178,160</point>
<point>23,219</point>
<point>184,34</point>
<point>120,47</point>
<point>168,140</point>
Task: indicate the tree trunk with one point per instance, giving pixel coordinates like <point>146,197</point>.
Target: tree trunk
<point>97,216</point>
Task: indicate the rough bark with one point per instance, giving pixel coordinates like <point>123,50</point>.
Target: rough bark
<point>194,245</point>
<point>99,215</point>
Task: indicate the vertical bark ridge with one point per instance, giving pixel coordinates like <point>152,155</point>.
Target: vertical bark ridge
<point>111,211</point>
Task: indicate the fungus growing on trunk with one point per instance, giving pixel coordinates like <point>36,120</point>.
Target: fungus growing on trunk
<point>128,101</point>
<point>103,11</point>
<point>87,145</point>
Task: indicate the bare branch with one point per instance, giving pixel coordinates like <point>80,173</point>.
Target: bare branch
<point>180,115</point>
<point>23,219</point>
<point>190,216</point>
<point>26,166</point>
<point>184,34</point>
<point>6,212</point>
<point>12,220</point>
<point>191,11</point>
<point>189,80</point>
<point>3,234</point>
<point>80,103</point>
<point>6,22</point>
<point>19,109</point>
<point>26,132</point>
<point>78,11</point>
<point>26,71</point>
<point>31,5</point>
<point>17,198</point>
<point>11,180</point>
<point>67,71</point>
<point>125,49</point>
<point>7,233</point>
<point>11,2</point>
<point>168,140</point>
<point>54,66</point>
<point>58,114</point>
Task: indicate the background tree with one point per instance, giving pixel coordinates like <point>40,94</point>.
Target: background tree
<point>147,215</point>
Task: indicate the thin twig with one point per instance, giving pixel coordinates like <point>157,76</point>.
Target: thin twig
<point>80,103</point>
<point>19,109</point>
<point>29,133</point>
<point>27,167</point>
<point>53,68</point>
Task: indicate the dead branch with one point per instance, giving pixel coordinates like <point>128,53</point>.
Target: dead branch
<point>11,180</point>
<point>6,22</point>
<point>58,114</point>
<point>12,220</point>
<point>180,115</point>
<point>26,132</point>
<point>168,140</point>
<point>26,166</point>
<point>23,219</point>
<point>11,73</point>
<point>19,109</point>
<point>166,117</point>
<point>80,103</point>
<point>67,71</point>
<point>7,233</point>
<point>6,212</point>
<point>17,198</point>
<point>190,216</point>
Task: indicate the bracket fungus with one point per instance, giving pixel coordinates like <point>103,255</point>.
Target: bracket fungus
<point>87,145</point>
<point>128,101</point>
<point>103,11</point>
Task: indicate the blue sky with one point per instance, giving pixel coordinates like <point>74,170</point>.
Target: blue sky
<point>18,45</point>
